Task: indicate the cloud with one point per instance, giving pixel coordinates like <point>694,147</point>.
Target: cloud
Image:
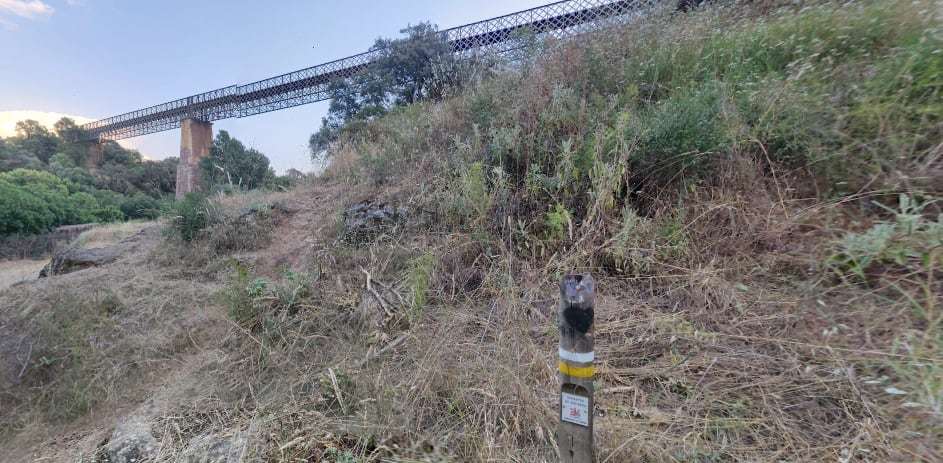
<point>8,120</point>
<point>8,25</point>
<point>28,10</point>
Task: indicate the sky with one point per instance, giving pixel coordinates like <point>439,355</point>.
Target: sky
<point>93,59</point>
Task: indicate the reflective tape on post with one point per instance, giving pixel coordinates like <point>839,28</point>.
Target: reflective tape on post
<point>577,357</point>
<point>577,372</point>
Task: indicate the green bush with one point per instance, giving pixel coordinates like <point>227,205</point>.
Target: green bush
<point>682,135</point>
<point>910,243</point>
<point>21,212</point>
<point>140,206</point>
<point>34,202</point>
<point>191,216</point>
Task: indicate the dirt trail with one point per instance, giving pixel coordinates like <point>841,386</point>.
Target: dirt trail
<point>310,213</point>
<point>15,271</point>
<point>172,312</point>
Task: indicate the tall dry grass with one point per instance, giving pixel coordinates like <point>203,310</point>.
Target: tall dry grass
<point>753,185</point>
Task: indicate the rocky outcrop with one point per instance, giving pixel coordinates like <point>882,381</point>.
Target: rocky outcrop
<point>229,447</point>
<point>75,259</point>
<point>131,442</point>
<point>370,220</point>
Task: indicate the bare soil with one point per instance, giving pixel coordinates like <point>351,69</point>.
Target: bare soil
<point>178,317</point>
<point>15,271</point>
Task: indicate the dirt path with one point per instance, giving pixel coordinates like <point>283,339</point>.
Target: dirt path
<point>312,213</point>
<point>187,314</point>
<point>15,271</point>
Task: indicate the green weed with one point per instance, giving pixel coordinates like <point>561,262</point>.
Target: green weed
<point>258,305</point>
<point>192,215</point>
<point>908,243</point>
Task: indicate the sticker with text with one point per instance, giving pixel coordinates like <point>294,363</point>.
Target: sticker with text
<point>575,409</point>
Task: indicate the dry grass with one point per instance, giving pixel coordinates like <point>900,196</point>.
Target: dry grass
<point>109,234</point>
<point>15,271</point>
<point>450,354</point>
<point>740,317</point>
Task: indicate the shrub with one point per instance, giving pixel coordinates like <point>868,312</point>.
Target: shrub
<point>910,243</point>
<point>140,206</point>
<point>191,216</point>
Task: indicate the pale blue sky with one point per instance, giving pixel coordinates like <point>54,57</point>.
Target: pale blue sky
<point>99,58</point>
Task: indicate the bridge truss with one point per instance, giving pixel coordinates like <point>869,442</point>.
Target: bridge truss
<point>497,35</point>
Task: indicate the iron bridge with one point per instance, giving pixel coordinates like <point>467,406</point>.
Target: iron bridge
<point>498,35</point>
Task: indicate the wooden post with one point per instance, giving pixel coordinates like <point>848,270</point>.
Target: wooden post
<point>575,431</point>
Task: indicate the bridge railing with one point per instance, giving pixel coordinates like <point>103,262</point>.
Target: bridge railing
<point>496,35</point>
<point>299,87</point>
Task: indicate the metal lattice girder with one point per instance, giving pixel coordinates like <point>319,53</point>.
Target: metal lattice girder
<point>300,87</point>
<point>497,35</point>
<point>558,19</point>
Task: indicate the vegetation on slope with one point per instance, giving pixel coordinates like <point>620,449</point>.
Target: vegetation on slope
<point>52,179</point>
<point>758,187</point>
<point>754,186</point>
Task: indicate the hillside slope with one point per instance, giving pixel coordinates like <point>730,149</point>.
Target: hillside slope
<point>754,186</point>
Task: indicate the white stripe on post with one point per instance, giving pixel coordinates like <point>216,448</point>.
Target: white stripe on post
<point>579,357</point>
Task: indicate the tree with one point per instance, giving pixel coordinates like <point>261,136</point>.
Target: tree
<point>408,70</point>
<point>68,130</point>
<point>64,167</point>
<point>140,206</point>
<point>33,202</point>
<point>12,156</point>
<point>72,140</point>
<point>20,212</point>
<point>231,163</point>
<point>409,63</point>
<point>38,193</point>
<point>36,139</point>
<point>156,178</point>
<point>361,97</point>
<point>30,128</point>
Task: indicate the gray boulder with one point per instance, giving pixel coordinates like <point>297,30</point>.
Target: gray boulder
<point>131,442</point>
<point>369,220</point>
<point>75,259</point>
<point>211,448</point>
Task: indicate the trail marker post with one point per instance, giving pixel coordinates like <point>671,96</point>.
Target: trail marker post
<point>575,431</point>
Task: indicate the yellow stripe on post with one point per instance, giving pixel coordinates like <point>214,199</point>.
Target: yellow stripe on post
<point>577,372</point>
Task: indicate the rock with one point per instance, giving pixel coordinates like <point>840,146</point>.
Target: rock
<point>70,232</point>
<point>369,220</point>
<point>211,448</point>
<point>75,259</point>
<point>131,442</point>
<point>688,5</point>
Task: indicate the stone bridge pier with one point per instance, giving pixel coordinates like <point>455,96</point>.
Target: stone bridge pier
<point>196,138</point>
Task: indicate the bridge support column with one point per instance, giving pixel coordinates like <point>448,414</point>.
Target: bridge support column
<point>196,137</point>
<point>94,159</point>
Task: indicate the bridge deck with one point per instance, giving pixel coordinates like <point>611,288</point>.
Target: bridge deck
<point>310,84</point>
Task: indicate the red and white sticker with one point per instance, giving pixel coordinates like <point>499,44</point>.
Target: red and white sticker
<point>575,409</point>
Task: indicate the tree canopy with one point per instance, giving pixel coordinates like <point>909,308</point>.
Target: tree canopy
<point>34,202</point>
<point>47,180</point>
<point>408,70</point>
<point>231,163</point>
